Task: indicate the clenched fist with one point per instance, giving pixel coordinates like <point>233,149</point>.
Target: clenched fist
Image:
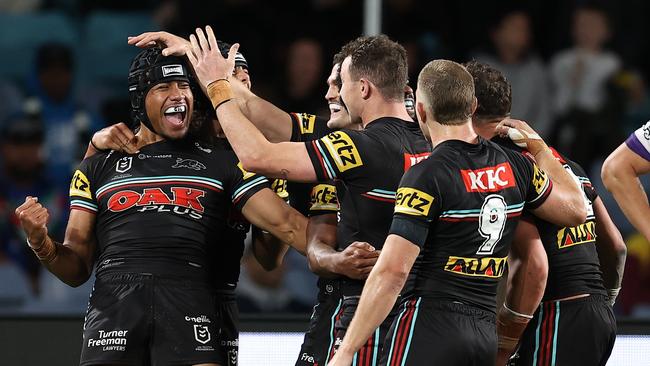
<point>33,218</point>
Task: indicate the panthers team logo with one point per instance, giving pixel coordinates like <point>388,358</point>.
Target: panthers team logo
<point>188,163</point>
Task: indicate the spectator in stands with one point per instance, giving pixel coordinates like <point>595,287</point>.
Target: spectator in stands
<point>581,77</point>
<point>303,87</point>
<point>514,57</point>
<point>68,126</point>
<point>23,175</point>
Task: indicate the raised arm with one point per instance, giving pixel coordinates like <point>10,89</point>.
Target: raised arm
<point>72,261</point>
<point>620,175</point>
<point>565,205</point>
<point>278,160</point>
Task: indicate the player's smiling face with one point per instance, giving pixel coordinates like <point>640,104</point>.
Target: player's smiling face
<point>339,116</point>
<point>169,107</point>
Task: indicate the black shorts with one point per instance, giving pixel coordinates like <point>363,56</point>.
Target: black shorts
<point>228,314</point>
<point>136,319</point>
<point>370,352</point>
<point>571,332</point>
<point>319,339</point>
<point>433,332</point>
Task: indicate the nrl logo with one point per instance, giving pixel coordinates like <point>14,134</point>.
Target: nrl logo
<point>188,163</point>
<point>201,333</point>
<point>124,164</point>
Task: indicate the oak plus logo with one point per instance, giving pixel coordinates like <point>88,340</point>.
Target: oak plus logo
<point>183,201</point>
<point>490,179</point>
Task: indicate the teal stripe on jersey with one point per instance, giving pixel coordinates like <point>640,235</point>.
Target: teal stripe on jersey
<point>117,183</point>
<point>408,343</point>
<point>84,203</point>
<point>376,346</point>
<point>247,186</point>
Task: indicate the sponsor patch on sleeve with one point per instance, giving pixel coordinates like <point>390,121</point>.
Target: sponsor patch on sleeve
<point>323,198</point>
<point>80,186</point>
<point>306,122</point>
<point>343,150</point>
<point>279,186</point>
<point>246,173</point>
<point>411,201</point>
<point>540,180</point>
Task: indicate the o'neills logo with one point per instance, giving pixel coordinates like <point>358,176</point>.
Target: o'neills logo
<point>114,340</point>
<point>479,267</point>
<point>490,179</point>
<point>581,234</point>
<point>198,319</point>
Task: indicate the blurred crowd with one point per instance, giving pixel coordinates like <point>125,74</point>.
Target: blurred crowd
<point>578,71</point>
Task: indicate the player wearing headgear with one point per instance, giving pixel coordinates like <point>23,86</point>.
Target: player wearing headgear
<point>574,295</point>
<point>321,202</point>
<point>145,222</point>
<point>455,214</point>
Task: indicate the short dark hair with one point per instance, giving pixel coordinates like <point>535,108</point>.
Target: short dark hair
<point>448,90</point>
<point>492,91</point>
<point>381,61</point>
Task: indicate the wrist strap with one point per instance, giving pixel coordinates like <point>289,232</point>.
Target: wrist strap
<point>95,146</point>
<point>46,252</point>
<point>219,92</point>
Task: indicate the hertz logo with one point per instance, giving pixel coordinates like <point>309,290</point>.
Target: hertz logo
<point>540,179</point>
<point>477,267</point>
<point>581,234</point>
<point>80,186</point>
<point>413,202</point>
<point>345,153</point>
<point>323,198</point>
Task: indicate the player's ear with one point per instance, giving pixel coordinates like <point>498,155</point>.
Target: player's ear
<point>364,88</point>
<point>421,112</point>
<point>474,105</point>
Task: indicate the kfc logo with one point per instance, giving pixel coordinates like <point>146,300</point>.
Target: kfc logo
<point>491,179</point>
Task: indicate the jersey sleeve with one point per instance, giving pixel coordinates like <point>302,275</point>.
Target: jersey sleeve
<point>323,199</point>
<point>82,187</point>
<point>417,205</point>
<point>307,127</point>
<point>336,155</point>
<point>639,141</point>
<point>244,185</point>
